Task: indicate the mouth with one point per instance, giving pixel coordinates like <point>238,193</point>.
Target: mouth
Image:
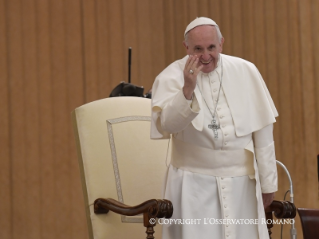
<point>206,62</point>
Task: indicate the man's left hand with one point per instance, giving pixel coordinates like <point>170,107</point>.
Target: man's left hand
<point>268,198</point>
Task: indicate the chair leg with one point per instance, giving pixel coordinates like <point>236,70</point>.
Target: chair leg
<point>149,226</point>
<point>269,225</point>
<point>149,232</point>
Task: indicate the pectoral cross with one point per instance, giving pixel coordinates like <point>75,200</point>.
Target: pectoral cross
<point>214,126</point>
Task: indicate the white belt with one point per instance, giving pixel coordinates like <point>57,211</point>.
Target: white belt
<point>220,163</point>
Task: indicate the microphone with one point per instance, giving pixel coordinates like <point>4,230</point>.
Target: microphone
<point>293,231</point>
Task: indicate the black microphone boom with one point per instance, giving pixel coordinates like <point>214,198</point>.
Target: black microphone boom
<point>129,63</point>
<point>128,89</point>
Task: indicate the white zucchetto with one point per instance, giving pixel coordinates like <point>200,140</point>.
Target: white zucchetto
<point>198,22</point>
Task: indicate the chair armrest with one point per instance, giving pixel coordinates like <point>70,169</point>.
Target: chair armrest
<point>151,209</point>
<point>157,208</point>
<point>282,210</point>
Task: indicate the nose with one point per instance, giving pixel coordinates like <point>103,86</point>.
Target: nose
<point>205,55</point>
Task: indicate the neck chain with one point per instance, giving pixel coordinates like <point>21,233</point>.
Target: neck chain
<point>214,126</point>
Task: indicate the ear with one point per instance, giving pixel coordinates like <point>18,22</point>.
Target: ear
<point>221,44</point>
<point>185,45</point>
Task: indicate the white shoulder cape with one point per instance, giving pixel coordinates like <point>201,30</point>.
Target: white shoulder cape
<point>250,103</point>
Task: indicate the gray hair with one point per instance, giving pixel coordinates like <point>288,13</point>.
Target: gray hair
<point>219,34</point>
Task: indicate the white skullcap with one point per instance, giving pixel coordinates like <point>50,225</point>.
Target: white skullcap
<point>198,22</point>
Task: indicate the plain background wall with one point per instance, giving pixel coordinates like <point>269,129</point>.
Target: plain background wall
<point>56,55</point>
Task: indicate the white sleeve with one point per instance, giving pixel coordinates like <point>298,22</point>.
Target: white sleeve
<point>178,113</point>
<point>266,159</point>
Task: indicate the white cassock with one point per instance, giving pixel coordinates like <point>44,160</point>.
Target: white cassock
<point>211,179</point>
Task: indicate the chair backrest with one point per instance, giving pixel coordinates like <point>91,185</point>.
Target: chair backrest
<point>118,160</point>
<point>309,222</point>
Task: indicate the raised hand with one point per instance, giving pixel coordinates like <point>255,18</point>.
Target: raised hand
<point>191,71</point>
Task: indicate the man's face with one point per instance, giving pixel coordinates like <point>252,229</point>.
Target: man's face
<point>202,41</point>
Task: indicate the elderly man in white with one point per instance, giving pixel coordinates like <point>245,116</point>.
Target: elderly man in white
<point>219,114</point>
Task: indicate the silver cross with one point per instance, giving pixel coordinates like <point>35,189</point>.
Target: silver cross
<point>214,126</point>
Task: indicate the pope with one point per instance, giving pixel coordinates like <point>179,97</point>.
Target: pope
<point>219,115</point>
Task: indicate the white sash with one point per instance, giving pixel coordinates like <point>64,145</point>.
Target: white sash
<point>220,163</point>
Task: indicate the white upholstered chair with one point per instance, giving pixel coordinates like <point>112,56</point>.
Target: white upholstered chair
<point>118,160</point>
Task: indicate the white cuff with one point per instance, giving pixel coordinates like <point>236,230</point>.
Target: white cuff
<point>266,161</point>
<point>177,114</point>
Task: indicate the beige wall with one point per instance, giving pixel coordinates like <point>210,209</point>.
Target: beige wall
<point>56,55</point>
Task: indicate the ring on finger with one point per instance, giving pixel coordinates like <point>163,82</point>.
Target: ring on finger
<point>191,71</point>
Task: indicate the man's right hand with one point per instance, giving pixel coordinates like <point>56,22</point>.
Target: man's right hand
<point>191,71</point>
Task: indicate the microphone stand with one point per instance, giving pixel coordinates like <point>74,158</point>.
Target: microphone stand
<point>293,231</point>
